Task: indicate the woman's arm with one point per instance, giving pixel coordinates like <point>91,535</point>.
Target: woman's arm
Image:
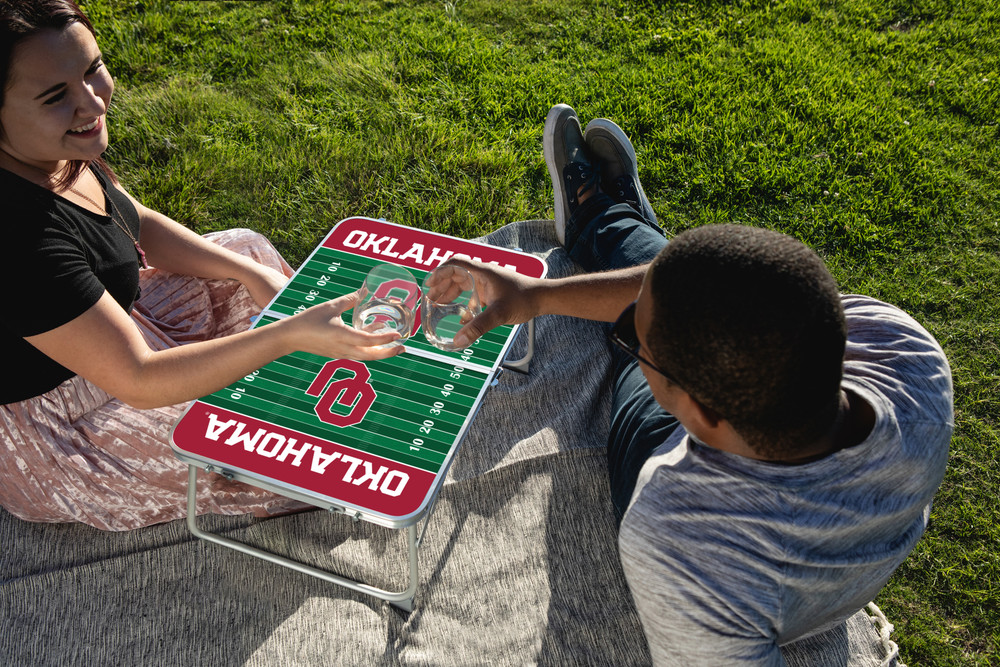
<point>172,247</point>
<point>104,346</point>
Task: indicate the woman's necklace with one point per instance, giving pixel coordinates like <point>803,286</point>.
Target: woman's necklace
<point>104,211</point>
<point>111,214</point>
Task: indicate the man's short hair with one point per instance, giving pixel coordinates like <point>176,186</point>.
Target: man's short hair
<point>750,323</point>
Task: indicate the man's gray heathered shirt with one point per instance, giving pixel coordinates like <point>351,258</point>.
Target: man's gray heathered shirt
<point>729,559</point>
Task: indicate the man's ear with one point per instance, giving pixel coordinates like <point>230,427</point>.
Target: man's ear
<point>709,417</point>
<point>714,430</point>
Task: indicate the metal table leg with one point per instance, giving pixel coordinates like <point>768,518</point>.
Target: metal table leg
<point>522,364</point>
<point>401,599</point>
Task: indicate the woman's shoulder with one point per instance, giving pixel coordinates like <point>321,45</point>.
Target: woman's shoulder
<point>38,229</point>
<point>21,198</point>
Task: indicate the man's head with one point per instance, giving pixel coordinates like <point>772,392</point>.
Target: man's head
<point>750,323</point>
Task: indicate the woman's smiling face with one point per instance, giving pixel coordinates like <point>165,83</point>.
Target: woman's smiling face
<point>57,97</point>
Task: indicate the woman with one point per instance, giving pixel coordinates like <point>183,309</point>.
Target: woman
<point>101,351</point>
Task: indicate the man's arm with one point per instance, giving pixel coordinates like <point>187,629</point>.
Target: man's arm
<point>514,299</point>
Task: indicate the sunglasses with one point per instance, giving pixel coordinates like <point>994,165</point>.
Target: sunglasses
<point>623,334</point>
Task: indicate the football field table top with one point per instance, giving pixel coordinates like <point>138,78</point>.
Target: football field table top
<point>370,439</point>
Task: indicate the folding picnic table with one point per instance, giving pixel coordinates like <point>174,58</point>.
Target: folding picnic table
<point>372,440</point>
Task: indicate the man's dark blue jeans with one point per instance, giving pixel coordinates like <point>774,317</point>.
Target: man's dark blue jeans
<point>602,235</point>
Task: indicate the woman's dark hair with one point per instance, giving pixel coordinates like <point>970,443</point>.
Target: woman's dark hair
<point>21,19</point>
<point>751,324</point>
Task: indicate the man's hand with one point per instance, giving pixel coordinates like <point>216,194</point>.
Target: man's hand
<point>507,297</point>
<point>511,298</point>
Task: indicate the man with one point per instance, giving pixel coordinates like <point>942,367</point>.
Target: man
<point>774,446</point>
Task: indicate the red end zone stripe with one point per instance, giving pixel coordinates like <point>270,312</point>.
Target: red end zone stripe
<point>287,456</point>
<point>419,249</point>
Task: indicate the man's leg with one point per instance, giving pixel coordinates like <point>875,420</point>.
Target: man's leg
<point>614,227</point>
<point>638,426</point>
<point>603,235</point>
<point>603,218</point>
<point>614,237</point>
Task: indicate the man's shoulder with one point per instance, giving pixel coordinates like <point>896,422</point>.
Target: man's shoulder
<point>893,355</point>
<point>874,322</point>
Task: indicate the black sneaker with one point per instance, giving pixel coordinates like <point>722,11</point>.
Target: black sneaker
<point>616,160</point>
<point>568,161</point>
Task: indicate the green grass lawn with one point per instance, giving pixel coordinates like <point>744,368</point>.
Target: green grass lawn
<point>866,128</point>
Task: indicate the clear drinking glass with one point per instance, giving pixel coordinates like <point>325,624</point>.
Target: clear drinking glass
<point>450,302</point>
<point>389,299</point>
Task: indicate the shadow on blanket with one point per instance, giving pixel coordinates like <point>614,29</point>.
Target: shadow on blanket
<point>519,564</point>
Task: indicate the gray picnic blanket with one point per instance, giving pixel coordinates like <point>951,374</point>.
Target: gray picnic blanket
<point>519,562</point>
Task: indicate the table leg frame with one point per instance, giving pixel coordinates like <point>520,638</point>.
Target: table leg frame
<point>400,599</point>
<point>523,364</point>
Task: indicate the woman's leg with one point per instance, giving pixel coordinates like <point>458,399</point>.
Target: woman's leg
<point>76,454</point>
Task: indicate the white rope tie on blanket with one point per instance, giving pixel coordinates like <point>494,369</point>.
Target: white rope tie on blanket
<point>885,628</point>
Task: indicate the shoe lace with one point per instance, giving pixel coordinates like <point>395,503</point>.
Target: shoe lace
<point>625,191</point>
<point>579,177</point>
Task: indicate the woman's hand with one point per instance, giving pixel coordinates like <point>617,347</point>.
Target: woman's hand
<point>320,330</point>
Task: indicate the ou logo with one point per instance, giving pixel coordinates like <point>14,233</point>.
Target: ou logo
<point>353,393</point>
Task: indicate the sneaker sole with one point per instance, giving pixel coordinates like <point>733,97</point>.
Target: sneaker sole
<point>552,122</point>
